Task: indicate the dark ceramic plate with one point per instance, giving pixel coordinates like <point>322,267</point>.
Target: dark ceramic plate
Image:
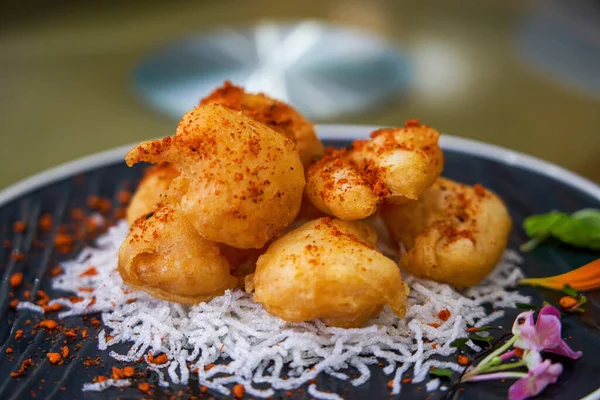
<point>528,186</point>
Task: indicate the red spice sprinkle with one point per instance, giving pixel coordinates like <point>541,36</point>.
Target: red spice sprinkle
<point>19,226</point>
<point>48,324</point>
<point>208,367</point>
<point>84,333</point>
<point>144,387</point>
<point>27,294</point>
<point>100,378</point>
<point>77,214</point>
<point>119,213</point>
<point>463,360</point>
<point>161,359</point>
<point>479,190</point>
<point>54,358</point>
<point>14,303</point>
<point>203,389</point>
<point>64,351</point>
<point>19,334</point>
<point>128,371</point>
<point>124,196</point>
<point>56,271</point>
<point>63,242</point>
<point>53,307</point>
<point>238,391</point>
<point>70,333</point>
<point>412,122</point>
<point>17,256</point>
<point>117,373</point>
<point>434,324</point>
<point>46,222</point>
<point>444,314</point>
<point>390,384</point>
<point>89,272</point>
<point>150,357</point>
<point>472,329</point>
<point>16,280</point>
<point>104,206</point>
<point>434,345</point>
<point>26,364</point>
<point>8,350</point>
<point>93,201</point>
<point>86,289</point>
<point>406,380</point>
<point>96,322</point>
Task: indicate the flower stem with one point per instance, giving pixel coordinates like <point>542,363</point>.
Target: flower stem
<point>496,375</point>
<point>483,365</point>
<point>504,367</point>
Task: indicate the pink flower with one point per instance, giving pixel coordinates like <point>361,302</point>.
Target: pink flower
<point>544,335</point>
<point>536,380</point>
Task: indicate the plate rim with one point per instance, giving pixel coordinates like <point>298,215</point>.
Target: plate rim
<point>327,132</point>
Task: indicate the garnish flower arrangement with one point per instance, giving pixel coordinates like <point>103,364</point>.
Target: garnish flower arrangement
<point>524,350</point>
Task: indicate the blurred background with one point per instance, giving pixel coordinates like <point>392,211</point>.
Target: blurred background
<point>81,76</point>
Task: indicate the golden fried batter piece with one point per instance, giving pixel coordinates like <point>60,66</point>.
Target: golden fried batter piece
<point>240,182</point>
<point>453,234</point>
<point>328,269</point>
<point>147,197</point>
<point>165,256</point>
<point>277,115</point>
<point>396,164</point>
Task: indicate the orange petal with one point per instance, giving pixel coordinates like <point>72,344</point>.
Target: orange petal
<point>581,279</point>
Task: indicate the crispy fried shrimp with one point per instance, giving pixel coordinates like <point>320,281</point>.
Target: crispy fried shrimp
<point>240,182</point>
<point>165,256</point>
<point>396,164</point>
<point>453,234</point>
<point>153,185</point>
<point>277,115</point>
<point>328,269</point>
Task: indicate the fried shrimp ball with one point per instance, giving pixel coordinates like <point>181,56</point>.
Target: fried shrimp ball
<point>277,115</point>
<point>396,164</point>
<point>328,269</point>
<point>147,197</point>
<point>165,256</point>
<point>240,182</point>
<point>453,234</point>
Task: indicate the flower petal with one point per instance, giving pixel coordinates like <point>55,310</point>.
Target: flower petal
<point>525,331</point>
<point>547,329</point>
<point>535,381</point>
<point>564,350</point>
<point>549,310</point>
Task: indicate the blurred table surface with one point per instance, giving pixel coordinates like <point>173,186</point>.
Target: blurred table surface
<point>66,75</point>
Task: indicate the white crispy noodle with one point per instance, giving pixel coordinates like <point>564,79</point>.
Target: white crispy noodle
<point>263,349</point>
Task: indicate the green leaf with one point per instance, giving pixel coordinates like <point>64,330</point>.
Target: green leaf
<point>581,229</point>
<point>474,336</point>
<point>582,300</point>
<point>460,342</point>
<point>525,306</point>
<point>441,372</point>
<point>570,291</point>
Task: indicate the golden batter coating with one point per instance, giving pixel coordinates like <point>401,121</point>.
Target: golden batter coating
<point>165,256</point>
<point>277,115</point>
<point>453,234</point>
<point>328,269</point>
<point>396,164</point>
<point>153,185</point>
<point>240,182</point>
